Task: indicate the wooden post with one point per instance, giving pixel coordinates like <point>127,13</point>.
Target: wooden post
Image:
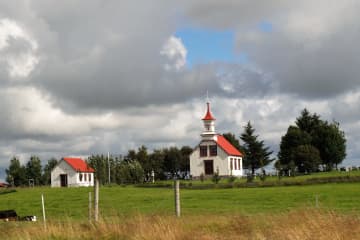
<point>90,206</point>
<point>43,209</point>
<point>96,201</point>
<point>177,197</point>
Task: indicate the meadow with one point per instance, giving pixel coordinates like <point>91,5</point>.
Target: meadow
<point>130,212</point>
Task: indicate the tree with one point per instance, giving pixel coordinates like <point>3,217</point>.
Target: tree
<point>99,163</point>
<point>184,164</point>
<point>308,122</point>
<point>307,158</point>
<point>331,142</point>
<point>46,177</point>
<point>172,159</point>
<point>157,163</point>
<point>326,137</point>
<point>143,158</point>
<point>16,174</point>
<point>293,138</point>
<point>130,172</point>
<point>33,170</point>
<point>256,154</point>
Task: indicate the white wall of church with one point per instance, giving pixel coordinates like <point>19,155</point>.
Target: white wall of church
<point>221,161</point>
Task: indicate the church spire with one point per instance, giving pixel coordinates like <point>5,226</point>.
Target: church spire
<point>208,115</point>
<point>209,124</point>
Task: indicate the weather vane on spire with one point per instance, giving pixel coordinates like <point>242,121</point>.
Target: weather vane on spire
<point>207,96</point>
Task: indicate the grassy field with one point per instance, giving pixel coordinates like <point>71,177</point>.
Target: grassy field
<point>129,212</point>
<point>294,225</point>
<point>72,203</point>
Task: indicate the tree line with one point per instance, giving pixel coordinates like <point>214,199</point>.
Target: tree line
<point>139,165</point>
<point>136,166</point>
<point>31,173</point>
<point>312,144</point>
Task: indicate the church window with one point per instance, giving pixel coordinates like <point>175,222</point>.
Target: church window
<point>89,177</point>
<point>231,164</point>
<point>85,177</point>
<point>203,151</point>
<point>80,177</point>
<point>235,165</point>
<point>213,150</point>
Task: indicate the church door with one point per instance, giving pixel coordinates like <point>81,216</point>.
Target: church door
<point>209,167</point>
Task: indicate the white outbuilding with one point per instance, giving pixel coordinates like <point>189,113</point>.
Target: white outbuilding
<point>72,172</point>
<point>214,153</point>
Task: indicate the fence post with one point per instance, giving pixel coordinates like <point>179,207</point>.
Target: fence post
<point>96,201</point>
<point>90,206</point>
<point>43,209</point>
<point>177,197</point>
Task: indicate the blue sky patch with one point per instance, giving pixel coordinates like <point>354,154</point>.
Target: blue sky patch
<point>205,45</point>
<point>265,26</point>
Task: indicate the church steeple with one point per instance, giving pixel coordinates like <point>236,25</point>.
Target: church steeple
<point>209,125</point>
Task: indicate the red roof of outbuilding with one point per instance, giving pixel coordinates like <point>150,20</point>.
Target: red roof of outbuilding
<point>227,146</point>
<point>208,115</point>
<point>78,164</point>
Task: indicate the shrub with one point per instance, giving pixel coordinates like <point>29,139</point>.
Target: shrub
<point>216,177</point>
<point>202,177</point>
<point>249,178</point>
<point>231,179</point>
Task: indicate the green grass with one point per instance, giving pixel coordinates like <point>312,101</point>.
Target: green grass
<point>64,203</point>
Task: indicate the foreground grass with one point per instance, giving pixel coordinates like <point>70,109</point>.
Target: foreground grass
<point>300,224</point>
<point>72,203</point>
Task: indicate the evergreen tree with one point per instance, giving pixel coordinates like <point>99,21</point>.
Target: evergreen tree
<point>331,142</point>
<point>327,138</point>
<point>46,177</point>
<point>33,170</point>
<point>256,154</point>
<point>16,173</point>
<point>157,163</point>
<point>308,122</point>
<point>307,158</point>
<point>172,157</point>
<point>184,164</point>
<point>99,163</point>
<point>293,138</point>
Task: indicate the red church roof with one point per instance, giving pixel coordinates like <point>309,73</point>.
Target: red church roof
<point>208,115</point>
<point>227,146</point>
<point>78,164</point>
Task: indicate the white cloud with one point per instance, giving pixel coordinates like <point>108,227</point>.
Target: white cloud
<point>34,114</point>
<point>20,62</point>
<point>176,53</point>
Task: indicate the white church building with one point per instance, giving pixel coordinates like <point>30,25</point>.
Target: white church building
<point>214,153</point>
<point>72,172</point>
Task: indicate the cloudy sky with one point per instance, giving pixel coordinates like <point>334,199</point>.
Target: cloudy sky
<point>84,77</point>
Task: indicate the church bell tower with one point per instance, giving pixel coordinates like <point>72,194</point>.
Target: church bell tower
<point>209,125</point>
